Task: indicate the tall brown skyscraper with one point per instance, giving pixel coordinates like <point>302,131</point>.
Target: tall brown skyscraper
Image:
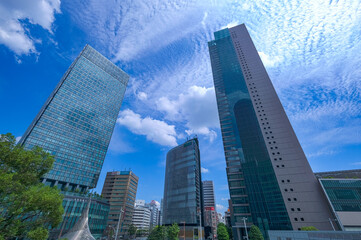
<point>120,189</point>
<point>270,181</point>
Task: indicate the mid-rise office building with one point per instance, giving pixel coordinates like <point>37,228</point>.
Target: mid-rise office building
<point>210,214</point>
<point>270,181</point>
<point>141,216</point>
<point>74,205</point>
<point>354,173</point>
<point>313,235</point>
<point>344,196</point>
<point>208,194</point>
<point>154,209</point>
<point>120,189</point>
<point>75,125</point>
<point>183,200</point>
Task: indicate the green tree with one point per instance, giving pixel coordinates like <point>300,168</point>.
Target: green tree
<point>28,208</point>
<point>255,233</point>
<point>222,233</point>
<point>157,233</point>
<point>172,232</point>
<point>132,230</point>
<point>309,228</point>
<point>230,234</point>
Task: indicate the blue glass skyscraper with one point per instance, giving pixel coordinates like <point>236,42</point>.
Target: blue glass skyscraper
<point>77,120</point>
<point>270,181</point>
<point>183,195</point>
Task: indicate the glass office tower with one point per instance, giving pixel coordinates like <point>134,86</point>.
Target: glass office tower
<point>77,120</point>
<point>183,198</point>
<point>270,181</point>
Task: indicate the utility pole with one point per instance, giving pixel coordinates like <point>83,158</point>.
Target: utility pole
<point>200,223</point>
<point>120,215</point>
<point>184,230</point>
<point>245,227</point>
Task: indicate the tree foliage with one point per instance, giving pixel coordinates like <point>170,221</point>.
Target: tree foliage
<point>255,233</point>
<point>172,232</point>
<point>132,230</point>
<point>157,233</point>
<point>222,233</point>
<point>309,228</point>
<point>163,233</point>
<point>28,208</point>
<point>230,234</point>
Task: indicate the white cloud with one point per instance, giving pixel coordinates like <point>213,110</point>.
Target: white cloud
<point>18,139</point>
<point>142,96</point>
<point>155,130</point>
<point>197,107</point>
<point>270,61</point>
<point>220,208</point>
<point>204,170</point>
<point>13,33</point>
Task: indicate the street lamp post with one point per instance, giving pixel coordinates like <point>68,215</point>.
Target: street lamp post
<point>200,223</point>
<point>245,227</point>
<point>120,215</point>
<point>111,226</point>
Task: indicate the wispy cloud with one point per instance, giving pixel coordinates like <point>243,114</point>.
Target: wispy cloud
<point>204,170</point>
<point>310,50</point>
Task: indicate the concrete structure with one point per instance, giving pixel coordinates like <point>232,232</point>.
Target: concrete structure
<point>313,235</point>
<point>210,214</point>
<point>120,189</point>
<point>141,217</point>
<point>80,230</point>
<point>208,194</point>
<point>183,198</point>
<point>354,173</point>
<point>220,218</point>
<point>227,218</point>
<point>154,209</point>
<point>74,205</point>
<point>344,196</point>
<point>270,181</point>
<point>161,212</point>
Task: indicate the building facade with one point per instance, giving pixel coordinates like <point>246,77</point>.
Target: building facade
<point>154,209</point>
<point>313,235</point>
<point>183,198</point>
<point>120,189</point>
<point>74,204</point>
<point>344,197</point>
<point>141,217</point>
<point>76,122</point>
<point>270,181</point>
<point>210,214</point>
<point>75,125</point>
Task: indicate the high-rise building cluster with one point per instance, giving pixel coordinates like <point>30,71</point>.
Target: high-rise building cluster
<point>271,184</point>
<point>146,215</point>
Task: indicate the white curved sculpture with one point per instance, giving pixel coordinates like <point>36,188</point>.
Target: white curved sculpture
<point>80,230</point>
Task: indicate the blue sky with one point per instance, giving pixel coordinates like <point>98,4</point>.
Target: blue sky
<point>311,50</point>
